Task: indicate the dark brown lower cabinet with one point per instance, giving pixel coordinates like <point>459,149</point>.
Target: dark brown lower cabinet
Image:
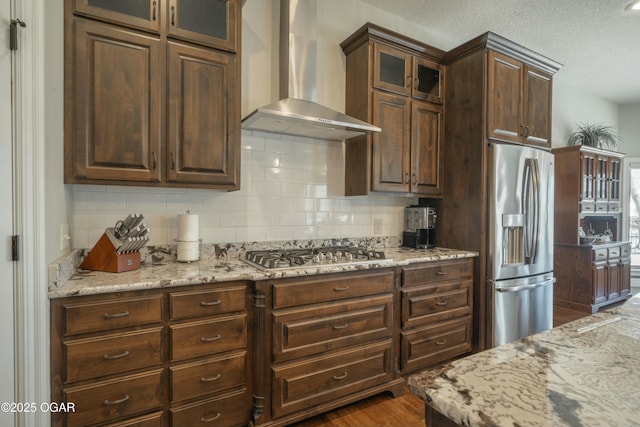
<point>322,342</point>
<point>156,358</point>
<point>589,277</point>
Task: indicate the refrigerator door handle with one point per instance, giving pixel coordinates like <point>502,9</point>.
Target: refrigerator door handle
<point>531,208</point>
<point>527,287</point>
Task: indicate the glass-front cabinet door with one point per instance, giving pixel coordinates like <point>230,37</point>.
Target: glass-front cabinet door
<point>391,69</point>
<point>427,80</point>
<point>614,185</point>
<point>143,14</point>
<point>211,22</point>
<point>587,190</point>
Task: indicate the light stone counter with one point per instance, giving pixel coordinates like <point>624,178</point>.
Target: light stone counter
<point>584,373</point>
<point>221,266</point>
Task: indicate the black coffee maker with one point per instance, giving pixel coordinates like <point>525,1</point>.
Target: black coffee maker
<point>419,227</point>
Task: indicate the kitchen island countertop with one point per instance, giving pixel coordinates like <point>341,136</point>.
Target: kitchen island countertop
<point>226,269</point>
<point>583,373</point>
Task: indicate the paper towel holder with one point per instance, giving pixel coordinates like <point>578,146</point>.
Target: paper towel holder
<point>186,243</point>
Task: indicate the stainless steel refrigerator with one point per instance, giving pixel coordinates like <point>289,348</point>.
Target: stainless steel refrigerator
<point>520,241</point>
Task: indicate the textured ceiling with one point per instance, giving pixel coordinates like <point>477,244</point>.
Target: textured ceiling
<point>595,40</point>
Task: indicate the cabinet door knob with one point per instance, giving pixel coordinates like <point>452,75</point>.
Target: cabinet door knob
<point>415,179</point>
<point>408,81</point>
<point>406,178</point>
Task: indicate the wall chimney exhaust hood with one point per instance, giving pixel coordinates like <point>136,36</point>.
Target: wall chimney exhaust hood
<point>297,113</point>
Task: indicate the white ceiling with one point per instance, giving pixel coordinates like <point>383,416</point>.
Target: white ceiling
<point>595,40</point>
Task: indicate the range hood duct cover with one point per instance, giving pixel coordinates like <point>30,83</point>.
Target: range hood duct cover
<point>297,112</point>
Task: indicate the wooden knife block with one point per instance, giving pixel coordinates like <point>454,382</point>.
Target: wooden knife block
<point>103,257</point>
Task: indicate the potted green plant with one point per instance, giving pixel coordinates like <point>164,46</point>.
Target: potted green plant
<point>594,135</point>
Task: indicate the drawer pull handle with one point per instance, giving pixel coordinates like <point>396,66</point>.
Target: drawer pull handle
<point>116,402</point>
<point>209,303</point>
<point>341,377</point>
<point>441,342</point>
<point>116,356</point>
<point>208,380</point>
<point>216,338</point>
<point>442,303</point>
<point>210,419</point>
<point>115,315</point>
<point>344,288</point>
<point>441,273</point>
<point>341,326</point>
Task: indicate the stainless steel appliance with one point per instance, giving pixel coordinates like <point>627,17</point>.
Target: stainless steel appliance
<point>419,227</point>
<point>273,259</point>
<point>520,250</point>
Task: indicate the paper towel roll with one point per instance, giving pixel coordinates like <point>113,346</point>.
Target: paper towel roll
<point>188,228</point>
<point>188,251</point>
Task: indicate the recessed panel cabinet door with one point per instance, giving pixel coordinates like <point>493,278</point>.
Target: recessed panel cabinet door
<point>117,102</point>
<point>426,137</point>
<point>391,148</point>
<point>203,117</point>
<point>504,103</point>
<point>537,107</point>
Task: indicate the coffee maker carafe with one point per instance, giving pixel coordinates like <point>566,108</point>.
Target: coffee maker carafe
<point>419,227</point>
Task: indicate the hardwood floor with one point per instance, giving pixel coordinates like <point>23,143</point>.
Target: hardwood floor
<point>381,410</point>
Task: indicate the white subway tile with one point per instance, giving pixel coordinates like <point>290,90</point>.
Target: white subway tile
<point>251,234</point>
<point>292,190</point>
<point>181,203</point>
<point>265,188</point>
<point>278,174</point>
<point>317,218</point>
<point>316,191</point>
<point>328,231</point>
<point>235,219</point>
<point>304,232</point>
<point>279,233</point>
<point>292,218</point>
<point>327,205</point>
<point>140,202</point>
<point>267,159</point>
<point>280,204</point>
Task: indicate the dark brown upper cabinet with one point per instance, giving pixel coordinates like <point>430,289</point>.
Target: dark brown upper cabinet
<point>519,101</point>
<point>152,93</point>
<point>396,83</point>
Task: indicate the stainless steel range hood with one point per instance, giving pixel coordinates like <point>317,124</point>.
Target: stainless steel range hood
<point>297,112</point>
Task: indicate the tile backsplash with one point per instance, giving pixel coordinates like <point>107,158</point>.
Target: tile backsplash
<point>291,188</point>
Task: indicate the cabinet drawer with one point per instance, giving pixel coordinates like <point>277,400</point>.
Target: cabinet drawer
<point>327,288</point>
<point>428,273</point>
<point>614,252</point>
<point>112,399</point>
<point>224,411</point>
<point>433,344</point>
<point>205,337</point>
<point>300,386</point>
<point>328,327</point>
<point>625,250</point>
<point>111,314</point>
<point>420,305</point>
<point>600,254</point>
<point>151,420</point>
<point>111,354</point>
<point>206,377</point>
<point>191,304</point>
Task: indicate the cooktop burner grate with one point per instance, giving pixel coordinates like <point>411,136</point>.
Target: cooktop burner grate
<point>291,258</point>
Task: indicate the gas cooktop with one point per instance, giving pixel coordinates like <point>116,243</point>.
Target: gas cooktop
<point>311,257</point>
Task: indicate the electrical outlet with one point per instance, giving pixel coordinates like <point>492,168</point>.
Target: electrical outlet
<point>377,226</point>
<point>65,238</point>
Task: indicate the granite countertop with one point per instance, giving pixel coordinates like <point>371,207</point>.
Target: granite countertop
<point>583,373</point>
<point>167,273</point>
